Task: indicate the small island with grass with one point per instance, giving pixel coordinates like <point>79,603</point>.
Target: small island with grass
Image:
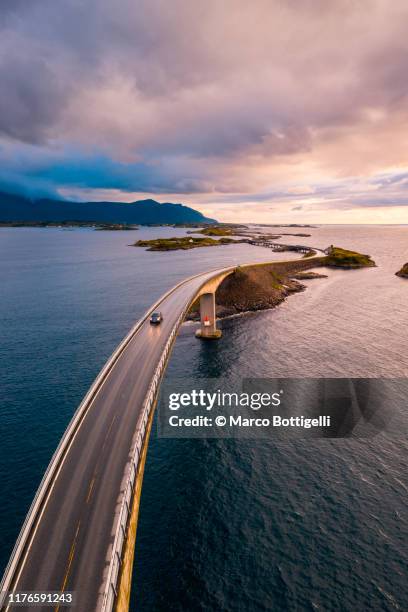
<point>403,273</point>
<point>342,258</point>
<point>218,230</point>
<point>183,243</point>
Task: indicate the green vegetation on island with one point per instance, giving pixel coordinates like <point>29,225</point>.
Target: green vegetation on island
<point>403,273</point>
<point>342,258</point>
<point>184,243</point>
<point>215,231</point>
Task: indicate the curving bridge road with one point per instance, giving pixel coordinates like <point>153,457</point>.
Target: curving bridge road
<point>73,536</point>
<point>76,534</point>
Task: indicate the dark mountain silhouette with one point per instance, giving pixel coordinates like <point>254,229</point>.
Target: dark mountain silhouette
<point>15,208</point>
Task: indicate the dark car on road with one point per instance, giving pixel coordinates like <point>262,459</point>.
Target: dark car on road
<point>156,318</point>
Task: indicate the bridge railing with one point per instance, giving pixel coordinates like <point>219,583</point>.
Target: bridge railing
<point>125,510</point>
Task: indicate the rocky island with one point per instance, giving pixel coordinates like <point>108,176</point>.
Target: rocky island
<point>342,258</point>
<point>257,287</point>
<point>403,273</point>
<point>218,230</point>
<point>183,243</point>
<point>263,286</point>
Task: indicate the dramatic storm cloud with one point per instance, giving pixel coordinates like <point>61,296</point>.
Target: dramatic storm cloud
<point>271,110</point>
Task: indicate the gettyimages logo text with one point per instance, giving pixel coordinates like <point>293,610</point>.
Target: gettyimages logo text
<point>221,399</point>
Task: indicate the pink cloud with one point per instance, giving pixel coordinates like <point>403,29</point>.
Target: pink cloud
<point>226,98</point>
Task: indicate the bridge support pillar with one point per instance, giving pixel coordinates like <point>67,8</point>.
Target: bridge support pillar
<point>208,329</point>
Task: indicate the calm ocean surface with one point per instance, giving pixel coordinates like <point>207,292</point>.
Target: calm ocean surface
<point>225,525</point>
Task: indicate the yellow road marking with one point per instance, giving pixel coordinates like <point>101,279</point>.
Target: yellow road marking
<point>108,432</point>
<point>91,486</point>
<point>70,558</point>
<point>90,489</point>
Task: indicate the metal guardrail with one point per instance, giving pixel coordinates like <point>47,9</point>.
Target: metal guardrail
<point>57,459</point>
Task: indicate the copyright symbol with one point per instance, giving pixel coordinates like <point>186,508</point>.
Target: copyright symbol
<point>220,421</point>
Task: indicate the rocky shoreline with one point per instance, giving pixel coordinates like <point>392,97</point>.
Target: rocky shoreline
<point>265,286</point>
<point>259,287</point>
<point>403,273</point>
<point>343,258</point>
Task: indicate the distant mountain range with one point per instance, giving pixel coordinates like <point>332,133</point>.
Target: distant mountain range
<point>15,208</point>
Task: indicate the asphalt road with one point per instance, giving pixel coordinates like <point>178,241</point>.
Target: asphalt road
<point>69,543</point>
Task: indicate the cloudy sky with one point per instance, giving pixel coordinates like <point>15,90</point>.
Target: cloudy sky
<point>270,110</point>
